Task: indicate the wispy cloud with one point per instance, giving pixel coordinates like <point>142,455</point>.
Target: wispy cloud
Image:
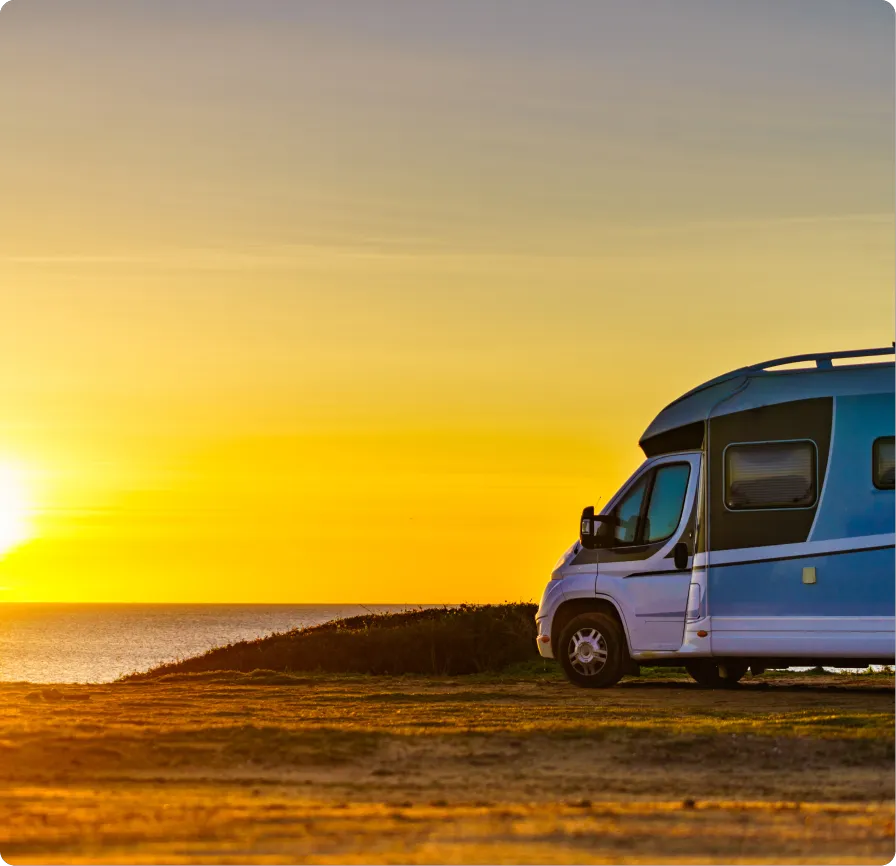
<point>274,256</point>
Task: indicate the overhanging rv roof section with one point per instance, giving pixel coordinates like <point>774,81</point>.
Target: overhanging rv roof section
<point>763,385</point>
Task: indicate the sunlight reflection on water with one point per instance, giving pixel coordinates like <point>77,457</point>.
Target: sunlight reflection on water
<point>71,643</point>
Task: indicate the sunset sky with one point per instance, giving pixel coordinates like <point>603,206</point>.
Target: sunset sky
<point>364,301</point>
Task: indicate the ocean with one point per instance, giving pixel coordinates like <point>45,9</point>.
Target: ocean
<point>97,643</point>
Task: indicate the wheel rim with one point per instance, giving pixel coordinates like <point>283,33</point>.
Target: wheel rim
<point>587,651</point>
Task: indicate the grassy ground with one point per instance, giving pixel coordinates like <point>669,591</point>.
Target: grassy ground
<point>516,768</point>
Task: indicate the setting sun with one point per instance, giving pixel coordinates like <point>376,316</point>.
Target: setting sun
<point>14,508</point>
<point>249,305</point>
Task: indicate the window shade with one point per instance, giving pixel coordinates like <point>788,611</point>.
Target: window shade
<point>883,463</point>
<point>770,475</point>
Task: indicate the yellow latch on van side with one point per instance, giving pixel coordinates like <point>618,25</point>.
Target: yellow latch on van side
<point>808,575</point>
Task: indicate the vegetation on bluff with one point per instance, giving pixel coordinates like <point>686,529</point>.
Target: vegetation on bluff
<point>452,640</point>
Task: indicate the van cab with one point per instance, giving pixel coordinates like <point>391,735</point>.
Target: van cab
<point>758,532</point>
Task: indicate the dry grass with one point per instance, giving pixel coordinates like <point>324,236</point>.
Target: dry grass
<point>221,768</point>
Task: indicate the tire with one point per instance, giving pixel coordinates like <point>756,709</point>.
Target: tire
<point>707,673</point>
<point>593,652</point>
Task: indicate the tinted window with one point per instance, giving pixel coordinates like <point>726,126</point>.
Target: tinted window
<point>628,511</point>
<point>770,475</point>
<point>882,463</point>
<point>666,501</point>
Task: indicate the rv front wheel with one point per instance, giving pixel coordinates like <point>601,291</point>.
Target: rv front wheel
<point>593,651</point>
<point>712,675</point>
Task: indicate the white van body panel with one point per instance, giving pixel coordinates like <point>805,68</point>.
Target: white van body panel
<point>568,583</point>
<point>844,637</point>
<point>651,594</point>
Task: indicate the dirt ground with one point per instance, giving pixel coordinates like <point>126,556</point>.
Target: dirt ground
<point>265,768</point>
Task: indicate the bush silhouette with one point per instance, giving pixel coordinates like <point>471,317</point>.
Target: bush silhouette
<point>452,640</point>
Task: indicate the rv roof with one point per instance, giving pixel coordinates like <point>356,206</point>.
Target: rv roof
<point>822,360</point>
<point>769,384</point>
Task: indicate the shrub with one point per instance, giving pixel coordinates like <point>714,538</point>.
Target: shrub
<point>452,640</point>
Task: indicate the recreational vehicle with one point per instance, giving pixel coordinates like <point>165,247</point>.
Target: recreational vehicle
<point>758,532</point>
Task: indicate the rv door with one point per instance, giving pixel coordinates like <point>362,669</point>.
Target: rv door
<point>642,572</point>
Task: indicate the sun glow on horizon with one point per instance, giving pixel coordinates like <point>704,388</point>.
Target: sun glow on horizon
<point>350,306</point>
<point>15,526</point>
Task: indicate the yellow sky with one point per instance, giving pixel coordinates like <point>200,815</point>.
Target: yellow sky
<point>340,302</point>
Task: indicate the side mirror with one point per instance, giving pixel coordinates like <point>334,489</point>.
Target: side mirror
<point>586,528</point>
<point>595,530</point>
<point>681,555</point>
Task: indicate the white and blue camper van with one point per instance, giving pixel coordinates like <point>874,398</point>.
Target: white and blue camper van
<point>758,533</point>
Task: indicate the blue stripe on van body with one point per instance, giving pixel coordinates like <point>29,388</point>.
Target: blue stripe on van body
<point>851,505</point>
<point>859,583</point>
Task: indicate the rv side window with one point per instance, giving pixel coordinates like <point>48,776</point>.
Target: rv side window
<point>882,463</point>
<point>666,502</point>
<point>770,475</point>
<point>628,512</point>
